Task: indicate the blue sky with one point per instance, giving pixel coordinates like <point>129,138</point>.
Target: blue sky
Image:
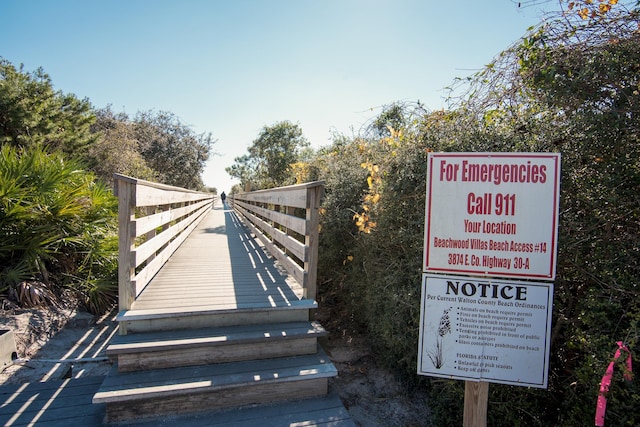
<point>231,67</point>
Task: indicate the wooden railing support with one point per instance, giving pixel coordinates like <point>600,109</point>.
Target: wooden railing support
<point>153,220</point>
<point>126,192</point>
<point>314,197</point>
<point>290,238</point>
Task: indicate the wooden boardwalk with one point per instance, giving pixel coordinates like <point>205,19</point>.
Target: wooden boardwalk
<point>219,268</point>
<point>67,403</point>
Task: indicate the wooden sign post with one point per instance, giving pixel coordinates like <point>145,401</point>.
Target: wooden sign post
<point>476,398</point>
<point>490,219</point>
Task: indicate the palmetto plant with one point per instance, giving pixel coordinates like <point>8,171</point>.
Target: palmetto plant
<point>56,226</point>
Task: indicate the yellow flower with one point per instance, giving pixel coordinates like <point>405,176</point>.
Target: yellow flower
<point>584,13</point>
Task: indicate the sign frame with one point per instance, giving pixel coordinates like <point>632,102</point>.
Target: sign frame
<point>474,330</point>
<point>474,198</point>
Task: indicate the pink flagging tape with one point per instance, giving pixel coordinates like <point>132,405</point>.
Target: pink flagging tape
<point>601,408</point>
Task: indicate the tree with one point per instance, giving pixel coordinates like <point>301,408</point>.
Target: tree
<point>271,155</point>
<point>172,149</point>
<point>244,169</point>
<point>32,113</point>
<point>118,149</point>
<point>392,117</point>
<point>570,86</point>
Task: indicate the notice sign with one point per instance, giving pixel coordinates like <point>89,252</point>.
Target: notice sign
<point>485,330</point>
<point>492,214</point>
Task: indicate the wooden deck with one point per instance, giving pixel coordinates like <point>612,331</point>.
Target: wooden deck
<point>222,326</point>
<point>67,403</point>
<point>219,267</point>
<point>51,403</point>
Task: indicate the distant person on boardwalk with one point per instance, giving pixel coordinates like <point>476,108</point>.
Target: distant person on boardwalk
<point>223,197</point>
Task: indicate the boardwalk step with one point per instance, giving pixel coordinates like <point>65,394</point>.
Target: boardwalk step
<point>314,412</point>
<point>157,350</point>
<point>177,318</point>
<point>132,395</point>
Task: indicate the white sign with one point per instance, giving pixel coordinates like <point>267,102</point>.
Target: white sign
<point>485,330</point>
<point>492,214</point>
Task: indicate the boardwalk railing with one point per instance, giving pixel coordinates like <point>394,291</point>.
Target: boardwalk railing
<point>286,220</point>
<point>154,219</point>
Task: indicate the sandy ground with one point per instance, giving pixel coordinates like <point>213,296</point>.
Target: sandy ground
<point>63,343</point>
<point>56,343</point>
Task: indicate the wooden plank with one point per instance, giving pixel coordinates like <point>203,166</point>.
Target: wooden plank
<point>209,315</point>
<point>311,242</point>
<point>271,301</point>
<point>320,411</point>
<point>309,412</point>
<point>214,303</point>
<point>296,247</point>
<point>291,415</point>
<point>286,196</point>
<point>148,196</point>
<point>214,319</point>
<point>232,285</point>
<point>166,340</point>
<point>145,250</point>
<point>157,185</point>
<point>52,403</point>
<point>293,268</point>
<point>299,225</point>
<point>22,392</point>
<point>203,298</point>
<point>476,397</point>
<point>126,269</point>
<point>232,397</point>
<point>295,197</point>
<point>136,314</point>
<point>254,293</point>
<point>147,223</point>
<point>126,387</point>
<point>209,354</point>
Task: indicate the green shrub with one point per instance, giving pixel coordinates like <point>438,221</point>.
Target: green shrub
<point>57,225</point>
<point>375,267</point>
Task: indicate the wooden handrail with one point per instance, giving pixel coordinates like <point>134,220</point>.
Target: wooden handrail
<point>153,220</point>
<point>286,220</point>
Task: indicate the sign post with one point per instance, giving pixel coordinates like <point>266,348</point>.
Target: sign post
<point>476,397</point>
<point>490,218</point>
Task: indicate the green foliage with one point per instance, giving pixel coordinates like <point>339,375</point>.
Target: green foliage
<point>244,169</point>
<point>118,148</point>
<point>152,146</point>
<point>567,88</point>
<point>392,117</point>
<point>31,113</point>
<point>175,153</point>
<point>57,225</point>
<point>271,156</point>
<point>345,186</point>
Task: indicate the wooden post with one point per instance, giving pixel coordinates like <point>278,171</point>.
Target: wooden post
<point>476,396</point>
<point>126,191</point>
<point>314,199</point>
